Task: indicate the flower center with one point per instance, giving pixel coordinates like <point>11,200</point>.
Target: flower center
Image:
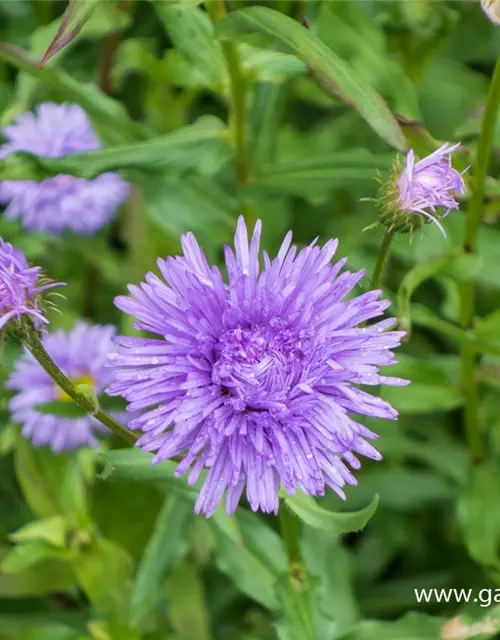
<point>258,365</point>
<point>86,378</point>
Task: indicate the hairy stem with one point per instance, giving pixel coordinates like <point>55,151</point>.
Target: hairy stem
<point>467,293</point>
<point>382,258</point>
<point>36,348</point>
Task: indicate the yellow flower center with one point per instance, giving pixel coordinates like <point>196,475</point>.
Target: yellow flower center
<point>85,379</point>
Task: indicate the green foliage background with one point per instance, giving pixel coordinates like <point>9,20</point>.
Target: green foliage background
<point>98,545</point>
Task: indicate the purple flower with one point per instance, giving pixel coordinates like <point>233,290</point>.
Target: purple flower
<point>255,379</point>
<point>430,184</point>
<point>62,202</point>
<point>19,287</point>
<point>81,354</point>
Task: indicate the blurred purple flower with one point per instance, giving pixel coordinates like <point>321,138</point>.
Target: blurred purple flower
<point>431,184</point>
<point>255,380</point>
<point>62,202</point>
<point>81,354</point>
<point>19,287</point>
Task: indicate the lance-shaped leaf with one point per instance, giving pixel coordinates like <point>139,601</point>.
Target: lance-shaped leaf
<point>203,145</point>
<point>76,15</point>
<point>331,72</point>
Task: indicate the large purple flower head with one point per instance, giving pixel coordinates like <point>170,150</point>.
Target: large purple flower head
<point>426,187</point>
<point>81,354</point>
<point>255,379</point>
<point>20,287</point>
<point>62,202</point>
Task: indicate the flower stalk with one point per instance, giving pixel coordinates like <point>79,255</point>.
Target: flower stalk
<point>382,259</point>
<point>467,291</point>
<point>33,343</point>
<point>238,90</point>
<point>290,532</point>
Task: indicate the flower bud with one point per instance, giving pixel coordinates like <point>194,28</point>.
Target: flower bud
<point>20,288</point>
<point>422,191</point>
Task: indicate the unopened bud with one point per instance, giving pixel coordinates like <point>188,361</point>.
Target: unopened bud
<point>421,191</point>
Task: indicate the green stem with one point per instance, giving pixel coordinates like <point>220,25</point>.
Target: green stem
<point>238,89</point>
<point>383,256</point>
<point>238,99</point>
<point>290,532</point>
<point>467,293</point>
<point>35,346</point>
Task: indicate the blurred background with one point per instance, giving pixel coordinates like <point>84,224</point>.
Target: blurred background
<point>114,560</point>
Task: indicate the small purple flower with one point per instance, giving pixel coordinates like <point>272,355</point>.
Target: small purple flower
<point>19,287</point>
<point>430,183</point>
<point>81,354</point>
<point>254,379</point>
<point>62,202</point>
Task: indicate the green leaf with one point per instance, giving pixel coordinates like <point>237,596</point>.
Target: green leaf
<point>265,112</point>
<point>104,572</point>
<point>192,33</point>
<point>190,203</point>
<point>424,317</point>
<point>299,614</point>
<point>134,465</point>
<point>159,556</point>
<point>312,177</point>
<point>27,555</point>
<point>187,603</point>
<point>52,632</point>
<point>203,146</point>
<point>50,530</point>
<point>111,116</point>
<point>53,484</point>
<point>38,473</point>
<point>329,566</point>
<point>126,513</point>
<point>403,489</point>
<point>461,266</point>
<point>251,574</point>
<point>181,4</point>
<point>438,450</point>
<point>112,404</point>
<point>412,279</point>
<point>266,66</point>
<point>61,408</point>
<point>488,329</point>
<point>480,517</point>
<point>103,19</point>
<point>434,244</point>
<point>330,71</point>
<point>310,512</point>
<point>428,381</point>
<point>46,576</point>
<point>262,540</point>
<point>414,626</point>
<point>75,16</point>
